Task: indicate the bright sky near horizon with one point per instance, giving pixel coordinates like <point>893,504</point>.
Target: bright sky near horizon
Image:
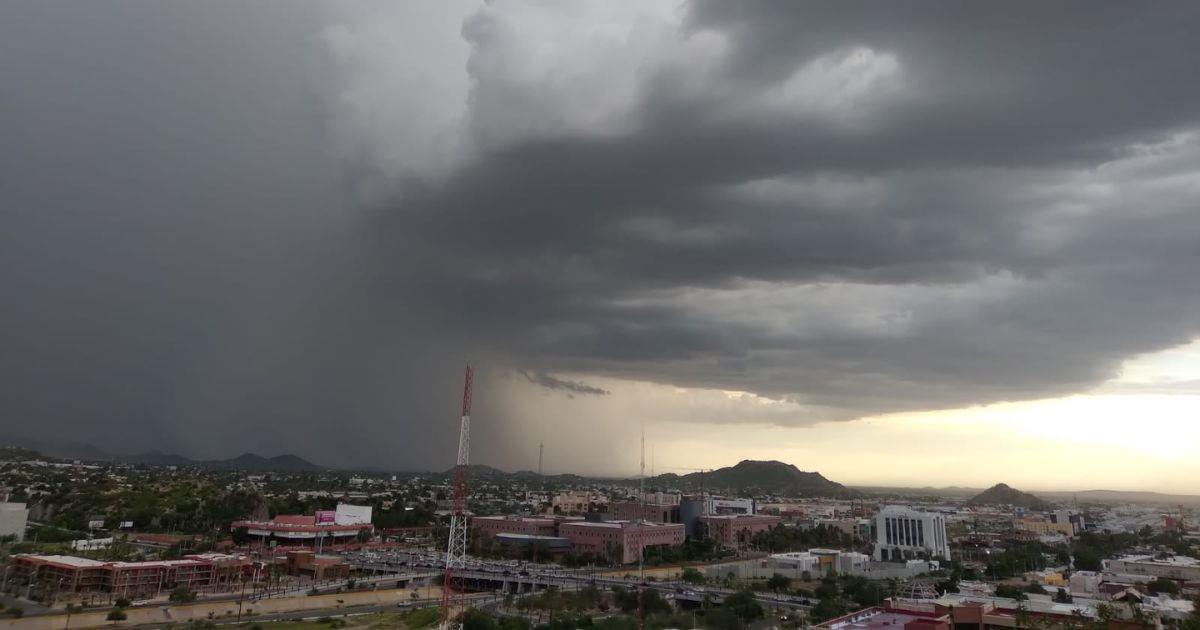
<point>1138,432</point>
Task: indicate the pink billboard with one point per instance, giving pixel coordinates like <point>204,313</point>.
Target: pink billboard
<point>326,516</point>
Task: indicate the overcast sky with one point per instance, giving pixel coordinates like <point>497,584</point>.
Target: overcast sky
<point>879,241</point>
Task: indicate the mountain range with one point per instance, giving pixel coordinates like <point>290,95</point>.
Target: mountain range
<point>245,461</point>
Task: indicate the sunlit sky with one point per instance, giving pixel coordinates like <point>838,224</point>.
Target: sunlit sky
<point>1138,432</point>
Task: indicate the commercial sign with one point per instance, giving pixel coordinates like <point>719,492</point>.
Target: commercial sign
<point>326,517</point>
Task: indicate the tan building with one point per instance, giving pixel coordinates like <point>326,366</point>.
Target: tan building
<point>1043,527</point>
<point>317,566</point>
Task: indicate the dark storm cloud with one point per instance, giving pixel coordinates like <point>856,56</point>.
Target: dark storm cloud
<point>859,208</point>
<point>582,249</point>
<point>551,382</point>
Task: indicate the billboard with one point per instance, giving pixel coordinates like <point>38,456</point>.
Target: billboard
<point>353,514</point>
<point>96,523</point>
<point>126,524</point>
<point>326,517</point>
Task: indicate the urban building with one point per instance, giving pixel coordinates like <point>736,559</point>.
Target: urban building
<point>323,528</point>
<point>735,531</point>
<point>71,574</point>
<point>550,545</point>
<point>859,528</point>
<point>491,526</point>
<point>719,505</point>
<point>818,562</point>
<point>1180,568</point>
<point>1043,527</point>
<point>887,618</point>
<point>621,541</point>
<point>651,512</point>
<point>902,533</point>
<point>577,502</point>
<point>317,566</point>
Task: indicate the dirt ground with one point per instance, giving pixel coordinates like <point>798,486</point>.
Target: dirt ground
<point>201,611</point>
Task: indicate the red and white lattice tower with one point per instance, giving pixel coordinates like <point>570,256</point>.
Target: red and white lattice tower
<point>453,587</point>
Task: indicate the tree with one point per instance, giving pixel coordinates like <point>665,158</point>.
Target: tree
<point>1034,587</point>
<point>478,620</point>
<point>692,576</point>
<point>1063,597</point>
<point>241,536</point>
<point>779,582</point>
<point>364,535</point>
<point>181,595</point>
<point>719,619</point>
<point>1193,620</point>
<point>743,604</point>
<point>1011,592</point>
<point>116,614</point>
<point>122,602</point>
<point>1163,586</point>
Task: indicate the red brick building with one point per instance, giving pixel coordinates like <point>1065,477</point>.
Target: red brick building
<point>735,531</point>
<point>620,541</point>
<point>70,574</point>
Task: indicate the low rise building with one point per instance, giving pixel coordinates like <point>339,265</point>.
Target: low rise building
<point>323,528</point>
<point>651,512</point>
<point>317,566</point>
<point>71,574</point>
<point>1043,527</point>
<point>818,562</point>
<point>1180,568</point>
<point>620,541</point>
<point>491,526</point>
<point>735,531</point>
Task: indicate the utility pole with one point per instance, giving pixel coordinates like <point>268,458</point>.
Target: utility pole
<point>453,583</point>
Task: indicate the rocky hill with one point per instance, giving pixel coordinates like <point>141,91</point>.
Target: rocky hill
<point>759,477</point>
<point>1003,494</point>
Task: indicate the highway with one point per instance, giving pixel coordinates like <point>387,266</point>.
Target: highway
<point>518,575</point>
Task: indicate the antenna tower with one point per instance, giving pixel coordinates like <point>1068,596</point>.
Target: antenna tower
<point>541,449</point>
<point>453,586</point>
<point>641,548</point>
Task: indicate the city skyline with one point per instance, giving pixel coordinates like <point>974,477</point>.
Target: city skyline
<point>905,248</point>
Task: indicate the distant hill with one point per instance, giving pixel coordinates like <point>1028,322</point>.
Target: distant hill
<point>245,461</point>
<point>949,492</point>
<point>18,454</point>
<point>1124,496</point>
<point>1003,494</point>
<point>759,477</point>
<point>159,458</point>
<point>279,463</point>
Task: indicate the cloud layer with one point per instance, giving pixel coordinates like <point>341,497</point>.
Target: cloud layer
<point>290,225</point>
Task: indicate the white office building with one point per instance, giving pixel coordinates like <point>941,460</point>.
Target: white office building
<point>903,533</point>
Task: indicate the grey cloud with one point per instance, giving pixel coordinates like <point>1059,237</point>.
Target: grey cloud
<point>187,263</point>
<point>551,382</point>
